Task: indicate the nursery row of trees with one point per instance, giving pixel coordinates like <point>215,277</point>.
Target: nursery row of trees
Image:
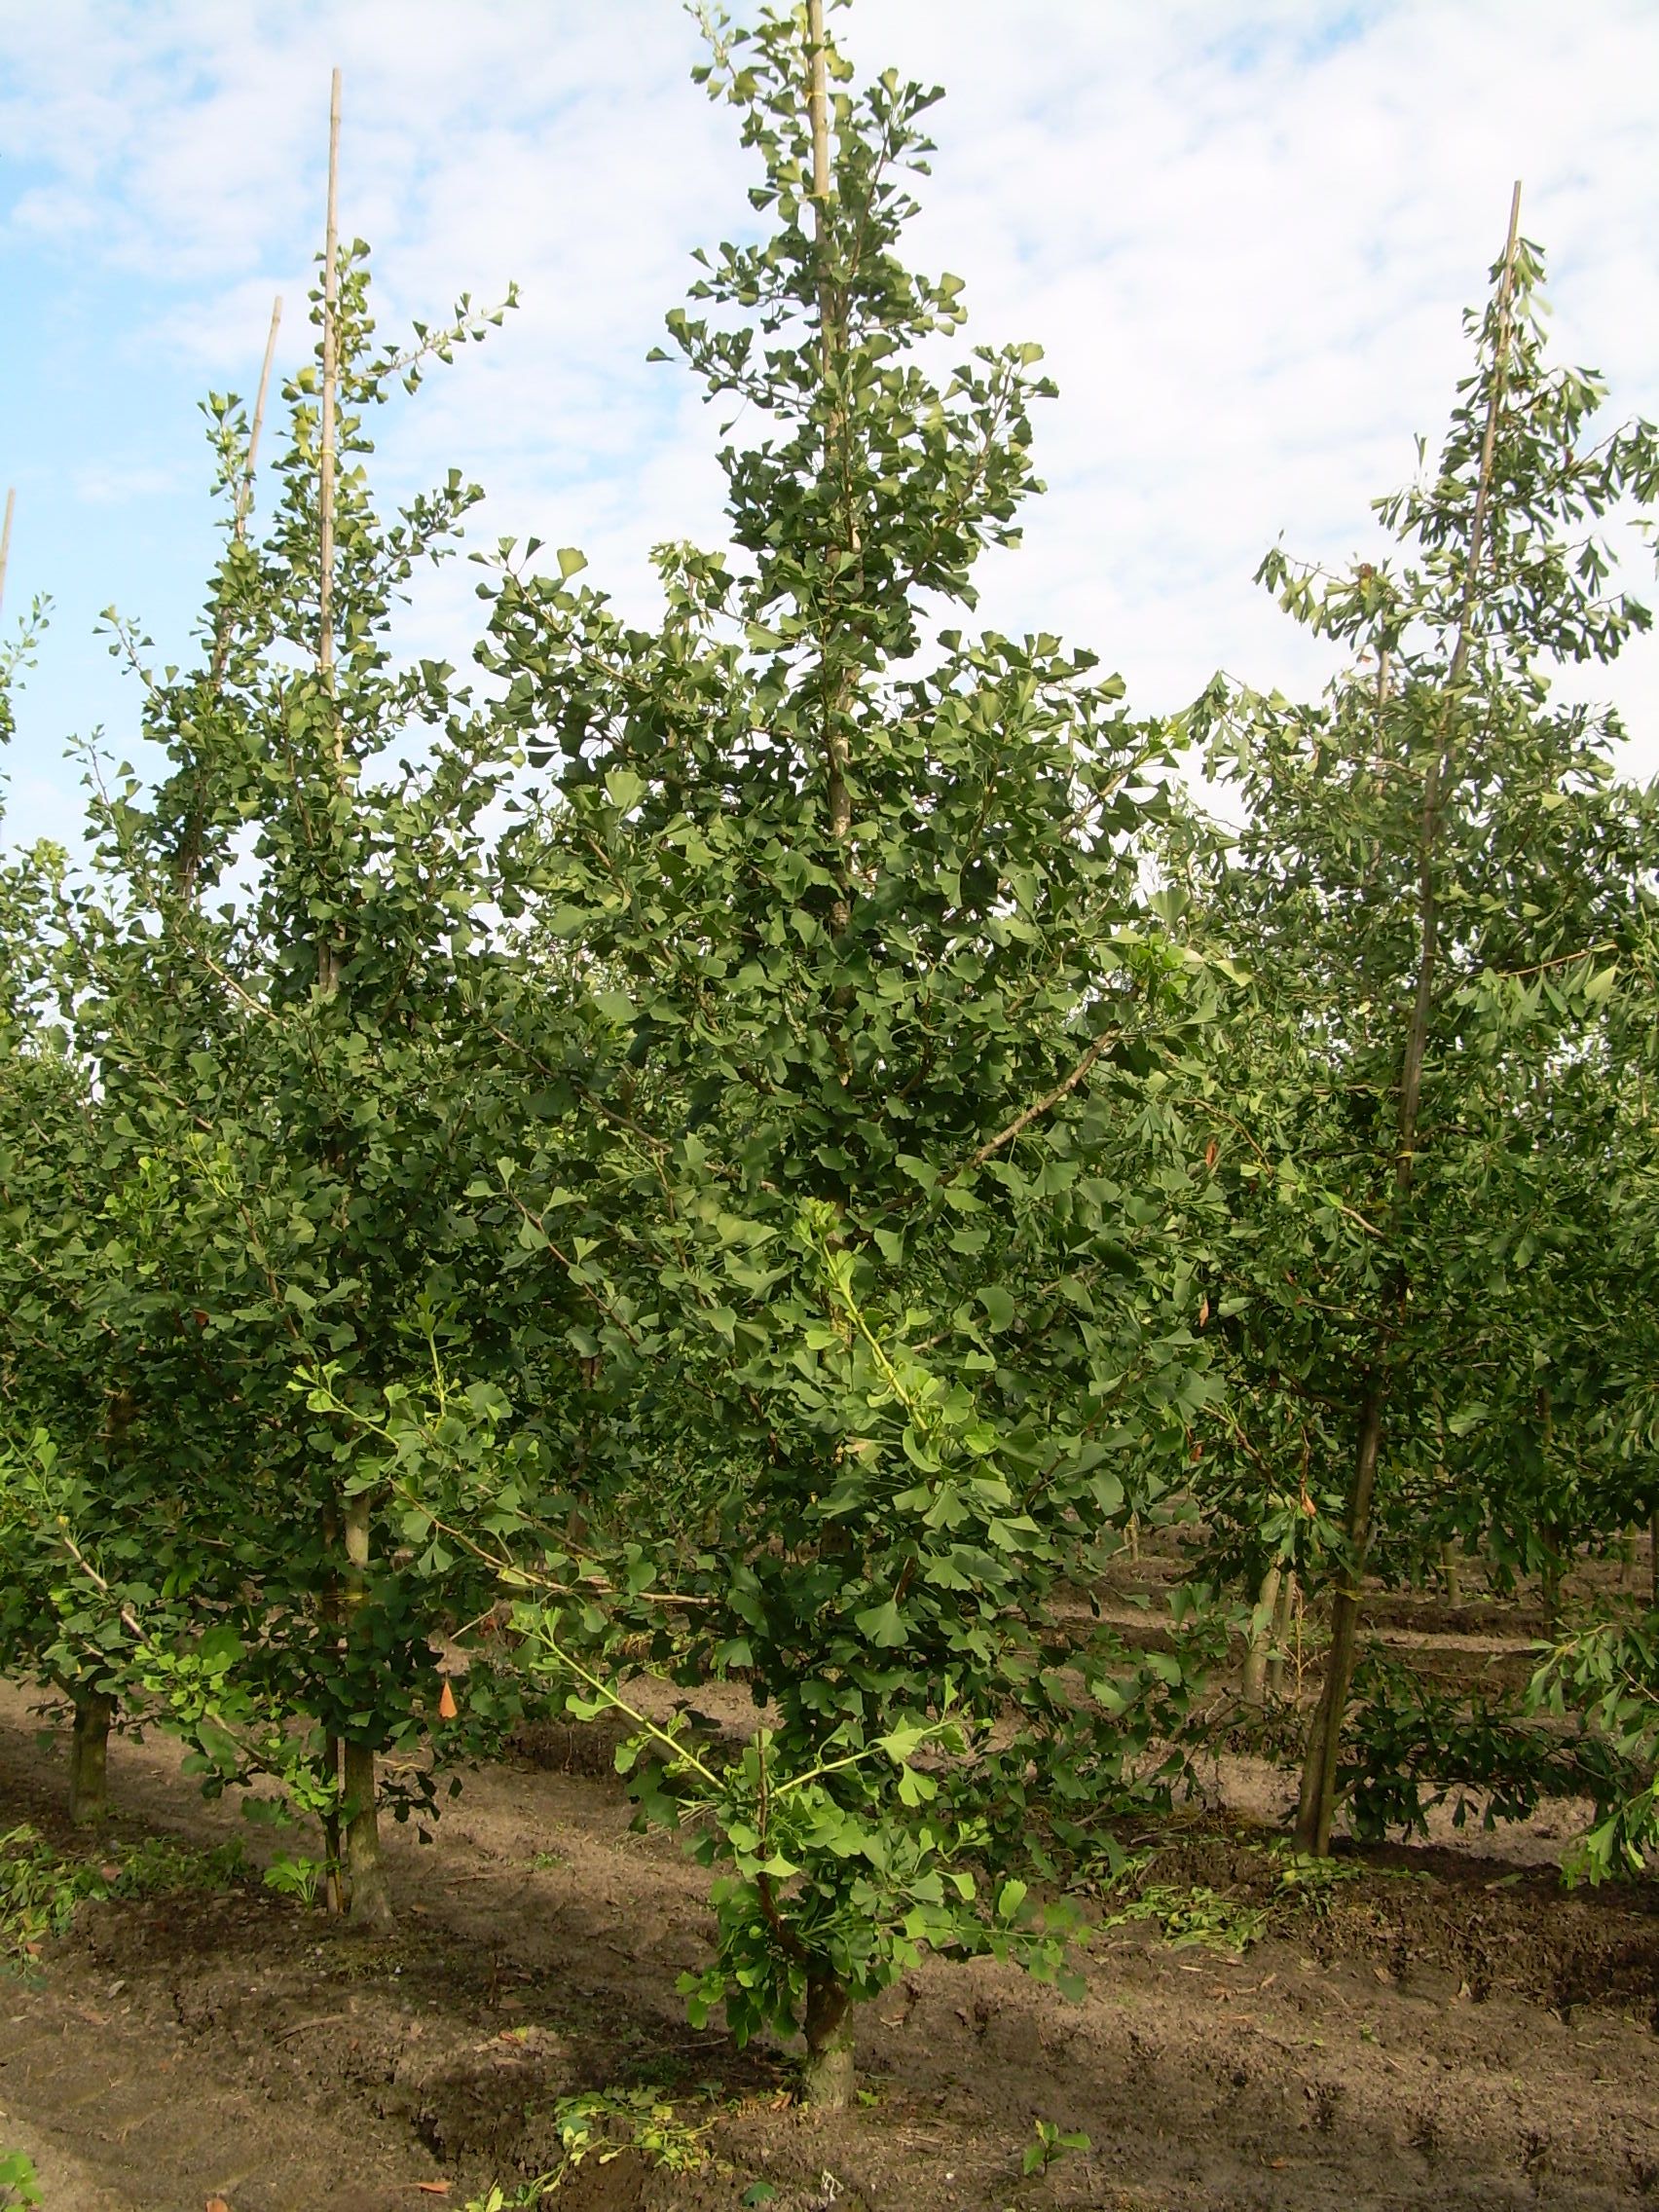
<point>775,1142</point>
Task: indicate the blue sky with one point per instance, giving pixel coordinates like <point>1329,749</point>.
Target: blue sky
<point>1244,234</point>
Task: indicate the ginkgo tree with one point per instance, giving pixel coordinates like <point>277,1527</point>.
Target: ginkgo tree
<point>878,1006</point>
<point>269,985</point>
<point>1435,877</point>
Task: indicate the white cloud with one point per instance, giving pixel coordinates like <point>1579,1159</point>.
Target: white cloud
<point>1244,233</point>
<point>98,486</point>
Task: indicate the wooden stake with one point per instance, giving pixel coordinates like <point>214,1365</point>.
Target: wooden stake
<point>1416,1036</point>
<point>833,341</point>
<point>330,383</point>
<point>245,490</point>
<point>6,541</point>
<point>1489,444</point>
<point>1282,1618</point>
<point>818,106</point>
<point>370,1902</point>
<point>190,856</point>
<point>327,959</point>
<point>1264,1622</point>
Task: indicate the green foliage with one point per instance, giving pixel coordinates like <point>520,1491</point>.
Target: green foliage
<point>1411,1747</point>
<point>39,1894</point>
<point>1308,1883</point>
<point>1199,1916</point>
<point>14,657</point>
<point>20,2185</point>
<point>1052,2144</point>
<point>774,1138</point>
<point>875,1226</point>
<point>237,1152</point>
<point>42,1888</point>
<point>157,1867</point>
<point>1611,1673</point>
<point>599,2125</point>
<point>291,1875</point>
<point>1437,876</point>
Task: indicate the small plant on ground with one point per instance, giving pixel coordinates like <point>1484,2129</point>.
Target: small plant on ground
<point>1307,1881</point>
<point>39,1893</point>
<point>602,2124</point>
<point>293,1877</point>
<point>1052,2145</point>
<point>19,2185</point>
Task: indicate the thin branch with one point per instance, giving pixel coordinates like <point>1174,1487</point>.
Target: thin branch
<point>1022,1121</point>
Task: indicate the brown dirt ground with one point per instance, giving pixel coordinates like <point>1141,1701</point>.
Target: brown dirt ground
<point>1448,2031</point>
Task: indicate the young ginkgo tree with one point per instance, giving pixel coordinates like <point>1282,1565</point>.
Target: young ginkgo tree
<point>878,1010</point>
<point>1435,876</point>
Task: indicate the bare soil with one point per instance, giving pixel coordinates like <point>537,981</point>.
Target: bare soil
<point>1440,2030</point>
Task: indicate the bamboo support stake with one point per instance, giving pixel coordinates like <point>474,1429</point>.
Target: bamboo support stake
<point>833,345</point>
<point>829,2083</point>
<point>818,98</point>
<point>1283,1615</point>
<point>245,490</point>
<point>190,854</point>
<point>327,959</point>
<point>330,394</point>
<point>1259,1651</point>
<point>6,541</point>
<point>371,1903</point>
<point>1416,1037</point>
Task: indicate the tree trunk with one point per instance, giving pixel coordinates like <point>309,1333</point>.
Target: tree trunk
<point>333,1880</point>
<point>829,2078</point>
<point>89,1758</point>
<point>1261,1630</point>
<point>371,1899</point>
<point>1282,1634</point>
<point>1324,1739</point>
<point>1452,1573</point>
<point>1549,1582</point>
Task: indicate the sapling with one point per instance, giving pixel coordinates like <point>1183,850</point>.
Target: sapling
<point>1435,875</point>
<point>874,1277</point>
